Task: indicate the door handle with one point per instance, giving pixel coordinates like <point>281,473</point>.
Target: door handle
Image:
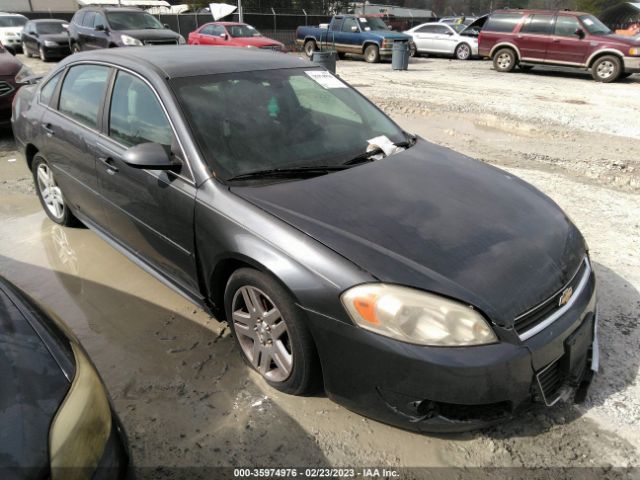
<point>47,129</point>
<point>556,40</point>
<point>108,162</point>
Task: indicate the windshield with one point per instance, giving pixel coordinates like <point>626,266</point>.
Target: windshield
<point>458,27</point>
<point>12,21</point>
<point>242,31</point>
<point>372,23</point>
<point>594,26</point>
<point>291,118</point>
<point>49,28</point>
<point>132,21</point>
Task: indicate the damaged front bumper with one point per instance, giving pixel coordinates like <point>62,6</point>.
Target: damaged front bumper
<point>440,389</point>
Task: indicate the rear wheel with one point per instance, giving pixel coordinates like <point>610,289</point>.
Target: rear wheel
<point>50,194</point>
<point>342,55</point>
<point>27,52</point>
<point>372,54</point>
<point>310,47</point>
<point>505,60</point>
<point>271,332</point>
<point>606,69</point>
<point>463,52</point>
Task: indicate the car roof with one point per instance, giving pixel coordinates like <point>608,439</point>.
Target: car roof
<point>111,9</point>
<point>192,60</point>
<point>6,14</point>
<point>530,10</point>
<point>49,20</point>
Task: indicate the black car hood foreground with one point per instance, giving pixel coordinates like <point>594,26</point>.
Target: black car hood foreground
<point>32,388</point>
<point>433,219</point>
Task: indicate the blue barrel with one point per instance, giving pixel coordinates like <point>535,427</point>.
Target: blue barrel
<point>326,58</point>
<point>400,55</point>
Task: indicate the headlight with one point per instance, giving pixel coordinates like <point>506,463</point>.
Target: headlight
<point>130,41</point>
<point>81,428</point>
<point>634,51</point>
<point>22,74</point>
<point>181,40</point>
<point>414,316</point>
<point>50,43</point>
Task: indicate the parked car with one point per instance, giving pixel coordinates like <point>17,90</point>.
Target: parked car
<point>95,27</point>
<point>433,291</point>
<point>563,38</point>
<point>11,25</point>
<point>444,39</point>
<point>232,34</point>
<point>368,36</point>
<point>12,74</point>
<point>56,416</point>
<point>47,38</point>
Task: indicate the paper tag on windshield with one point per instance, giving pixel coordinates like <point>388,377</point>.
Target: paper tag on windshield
<point>325,79</point>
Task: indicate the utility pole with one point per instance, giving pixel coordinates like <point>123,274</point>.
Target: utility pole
<point>240,13</point>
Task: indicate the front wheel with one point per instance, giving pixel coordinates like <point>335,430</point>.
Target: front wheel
<point>310,47</point>
<point>372,54</point>
<point>271,332</point>
<point>50,194</point>
<point>505,60</point>
<point>463,52</point>
<point>606,69</point>
<point>75,48</point>
<point>43,54</point>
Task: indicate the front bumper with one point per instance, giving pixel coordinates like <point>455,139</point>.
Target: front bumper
<point>57,51</point>
<point>12,43</point>
<point>436,389</point>
<point>632,64</point>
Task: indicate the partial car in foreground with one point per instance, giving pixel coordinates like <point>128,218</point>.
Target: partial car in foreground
<point>232,34</point>
<point>427,289</point>
<point>12,74</point>
<point>97,27</point>
<point>46,38</point>
<point>444,39</point>
<point>56,420</point>
<point>11,25</point>
<point>526,38</point>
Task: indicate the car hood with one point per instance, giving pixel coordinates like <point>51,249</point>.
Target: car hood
<point>151,34</point>
<point>436,220</point>
<point>55,37</point>
<point>33,387</point>
<point>622,39</point>
<point>14,30</point>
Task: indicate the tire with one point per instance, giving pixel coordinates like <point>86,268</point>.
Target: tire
<point>463,52</point>
<point>43,55</point>
<point>606,69</point>
<point>75,48</point>
<point>273,338</point>
<point>413,51</point>
<point>342,55</point>
<point>27,52</point>
<point>50,195</point>
<point>372,54</point>
<point>310,47</point>
<point>505,60</point>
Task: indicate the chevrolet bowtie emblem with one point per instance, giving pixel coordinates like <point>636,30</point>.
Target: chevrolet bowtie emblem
<point>565,297</point>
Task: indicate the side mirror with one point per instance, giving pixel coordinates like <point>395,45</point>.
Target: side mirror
<point>35,34</point>
<point>354,28</point>
<point>150,156</point>
<point>166,25</point>
<point>580,33</point>
<point>224,36</point>
<point>100,28</point>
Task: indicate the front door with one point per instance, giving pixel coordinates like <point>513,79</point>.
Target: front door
<point>567,45</point>
<point>150,211</point>
<point>534,37</point>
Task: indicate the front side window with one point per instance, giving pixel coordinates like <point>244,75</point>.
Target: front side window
<point>566,26</point>
<point>348,24</point>
<point>136,115</point>
<point>128,20</point>
<point>303,117</point>
<point>99,20</point>
<point>538,24</point>
<point>46,92</point>
<point>502,22</point>
<point>82,93</point>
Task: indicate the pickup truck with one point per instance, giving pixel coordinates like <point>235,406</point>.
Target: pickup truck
<point>362,35</point>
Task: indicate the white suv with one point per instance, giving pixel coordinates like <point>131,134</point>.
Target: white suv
<point>11,25</point>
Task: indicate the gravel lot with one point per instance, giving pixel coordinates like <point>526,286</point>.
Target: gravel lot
<point>177,380</point>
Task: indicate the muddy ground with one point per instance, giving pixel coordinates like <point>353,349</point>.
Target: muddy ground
<point>177,380</point>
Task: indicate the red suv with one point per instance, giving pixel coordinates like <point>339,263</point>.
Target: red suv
<point>569,39</point>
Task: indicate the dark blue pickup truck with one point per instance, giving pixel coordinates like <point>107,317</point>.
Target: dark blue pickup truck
<point>368,36</point>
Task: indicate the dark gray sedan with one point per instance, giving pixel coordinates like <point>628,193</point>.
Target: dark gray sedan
<point>424,288</point>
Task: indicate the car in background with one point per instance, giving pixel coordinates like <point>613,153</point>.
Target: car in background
<point>527,38</point>
<point>95,27</point>
<point>11,25</point>
<point>12,74</point>
<point>232,34</point>
<point>55,414</point>
<point>47,38</point>
<point>444,39</point>
<point>225,173</point>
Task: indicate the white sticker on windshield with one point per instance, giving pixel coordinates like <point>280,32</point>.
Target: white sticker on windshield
<point>363,20</point>
<point>325,79</point>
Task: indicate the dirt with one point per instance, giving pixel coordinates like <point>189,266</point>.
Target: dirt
<point>176,377</point>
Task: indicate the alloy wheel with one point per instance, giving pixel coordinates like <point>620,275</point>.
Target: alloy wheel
<point>463,52</point>
<point>606,69</point>
<point>504,61</point>
<point>262,333</point>
<point>50,192</point>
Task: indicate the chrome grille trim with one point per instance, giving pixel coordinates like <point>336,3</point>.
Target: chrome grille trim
<point>560,311</point>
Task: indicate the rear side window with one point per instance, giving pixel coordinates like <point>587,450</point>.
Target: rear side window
<point>566,26</point>
<point>538,24</point>
<point>46,92</point>
<point>82,93</point>
<point>502,22</point>
<point>136,114</point>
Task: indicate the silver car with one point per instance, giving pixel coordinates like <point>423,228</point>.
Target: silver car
<point>444,39</point>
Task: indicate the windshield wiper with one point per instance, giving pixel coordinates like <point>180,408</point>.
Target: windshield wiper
<point>288,172</point>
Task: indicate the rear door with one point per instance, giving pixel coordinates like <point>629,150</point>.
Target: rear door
<point>534,37</point>
<point>426,38</point>
<point>149,211</point>
<point>566,45</point>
